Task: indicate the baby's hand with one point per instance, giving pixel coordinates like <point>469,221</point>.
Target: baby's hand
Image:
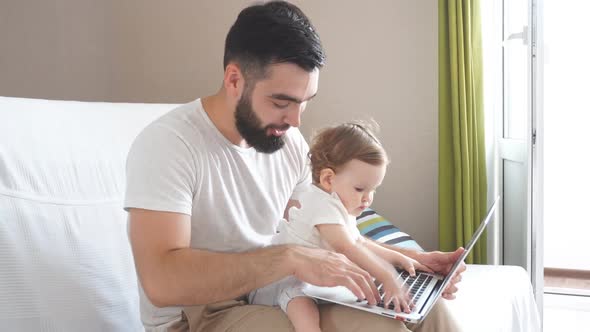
<point>409,264</point>
<point>396,294</point>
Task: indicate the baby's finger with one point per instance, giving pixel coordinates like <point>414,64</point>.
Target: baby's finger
<point>405,306</point>
<point>396,304</point>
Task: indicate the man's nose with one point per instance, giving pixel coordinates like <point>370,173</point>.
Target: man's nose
<point>293,117</point>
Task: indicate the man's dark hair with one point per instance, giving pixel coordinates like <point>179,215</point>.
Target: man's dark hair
<point>271,33</point>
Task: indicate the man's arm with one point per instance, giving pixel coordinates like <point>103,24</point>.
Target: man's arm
<point>172,273</point>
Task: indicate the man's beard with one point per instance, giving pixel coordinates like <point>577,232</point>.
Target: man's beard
<point>250,128</point>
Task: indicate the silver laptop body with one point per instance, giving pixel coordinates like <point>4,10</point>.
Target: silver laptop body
<point>425,288</point>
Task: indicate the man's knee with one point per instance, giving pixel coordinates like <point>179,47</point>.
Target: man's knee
<point>341,318</point>
<point>261,318</point>
<point>233,316</point>
<point>440,318</point>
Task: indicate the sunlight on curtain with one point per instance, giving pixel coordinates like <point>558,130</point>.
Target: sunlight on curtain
<point>462,159</point>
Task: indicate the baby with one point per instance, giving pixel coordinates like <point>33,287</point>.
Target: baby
<point>348,163</point>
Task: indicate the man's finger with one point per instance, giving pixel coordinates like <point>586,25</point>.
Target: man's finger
<point>451,258</point>
<point>462,268</point>
<point>457,253</point>
<point>368,281</point>
<point>366,288</point>
<point>375,290</point>
<point>451,289</point>
<point>364,285</point>
<point>353,287</point>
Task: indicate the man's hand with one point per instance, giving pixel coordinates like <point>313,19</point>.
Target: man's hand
<point>328,269</point>
<point>442,262</point>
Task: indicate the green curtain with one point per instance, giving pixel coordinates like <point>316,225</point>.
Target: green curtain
<point>462,165</point>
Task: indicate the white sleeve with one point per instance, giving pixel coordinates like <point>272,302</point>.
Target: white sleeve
<point>325,211</point>
<point>305,173</point>
<point>161,172</point>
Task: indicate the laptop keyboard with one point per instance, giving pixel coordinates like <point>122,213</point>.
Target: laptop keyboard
<point>415,285</point>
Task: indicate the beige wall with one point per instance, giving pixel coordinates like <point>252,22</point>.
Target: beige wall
<point>382,63</point>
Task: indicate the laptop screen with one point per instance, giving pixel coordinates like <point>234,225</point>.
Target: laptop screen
<point>471,243</point>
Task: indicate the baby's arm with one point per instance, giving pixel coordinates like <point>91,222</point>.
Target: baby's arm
<point>394,257</point>
<point>341,241</point>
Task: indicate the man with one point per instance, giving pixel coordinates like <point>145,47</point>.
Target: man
<point>208,183</point>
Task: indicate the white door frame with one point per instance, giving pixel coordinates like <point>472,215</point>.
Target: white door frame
<point>537,224</point>
<point>522,211</point>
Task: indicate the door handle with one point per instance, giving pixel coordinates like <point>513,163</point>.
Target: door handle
<point>523,35</point>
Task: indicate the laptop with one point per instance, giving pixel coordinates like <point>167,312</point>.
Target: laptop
<point>424,288</point>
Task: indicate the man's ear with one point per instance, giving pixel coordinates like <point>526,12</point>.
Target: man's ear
<point>326,178</point>
<point>233,80</point>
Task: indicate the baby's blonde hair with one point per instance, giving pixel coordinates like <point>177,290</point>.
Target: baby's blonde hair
<point>333,147</point>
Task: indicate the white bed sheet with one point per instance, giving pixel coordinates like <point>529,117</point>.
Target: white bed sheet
<point>496,298</point>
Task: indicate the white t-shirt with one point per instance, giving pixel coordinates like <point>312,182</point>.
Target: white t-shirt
<point>235,196</point>
<point>317,207</point>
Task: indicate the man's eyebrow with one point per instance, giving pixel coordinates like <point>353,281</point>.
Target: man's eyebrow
<point>282,96</point>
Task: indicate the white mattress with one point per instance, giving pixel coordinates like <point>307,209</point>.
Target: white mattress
<point>65,261</point>
<point>496,298</point>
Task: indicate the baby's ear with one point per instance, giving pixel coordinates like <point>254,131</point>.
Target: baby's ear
<point>326,178</point>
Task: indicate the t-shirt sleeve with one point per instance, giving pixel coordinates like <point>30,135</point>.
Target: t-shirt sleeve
<point>305,168</point>
<point>161,172</point>
<point>324,211</point>
<point>332,211</point>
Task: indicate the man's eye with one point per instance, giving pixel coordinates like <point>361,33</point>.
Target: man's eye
<point>281,106</point>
